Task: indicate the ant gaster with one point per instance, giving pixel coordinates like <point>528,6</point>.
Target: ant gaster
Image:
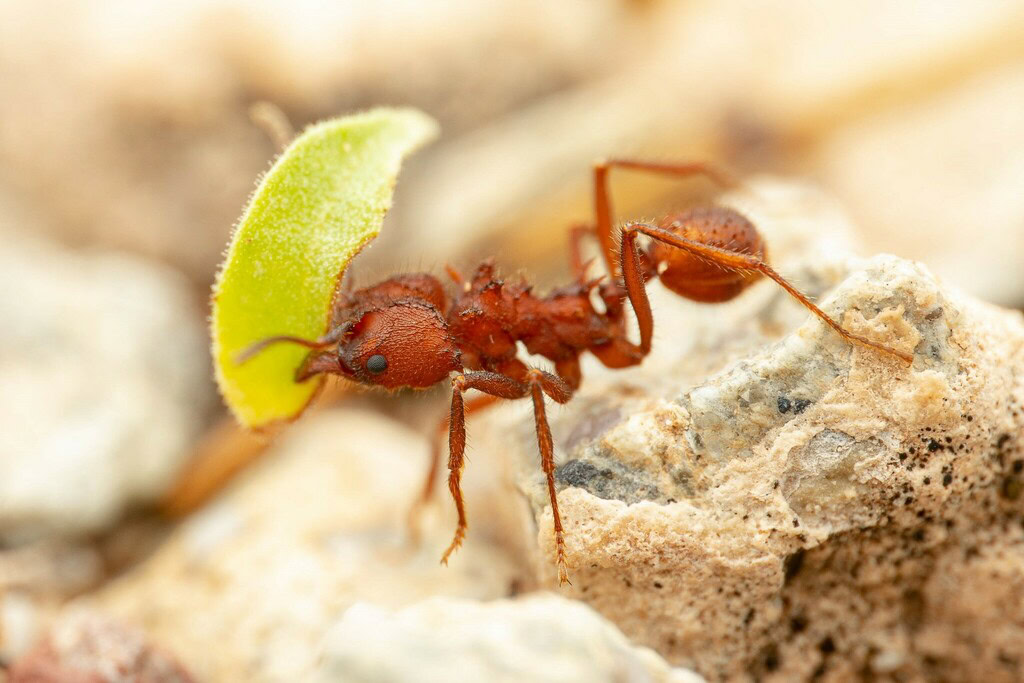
<point>406,331</point>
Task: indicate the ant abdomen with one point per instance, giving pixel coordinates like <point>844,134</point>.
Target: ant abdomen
<point>697,278</point>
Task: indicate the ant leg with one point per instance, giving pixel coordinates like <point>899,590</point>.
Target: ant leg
<point>511,367</point>
<point>456,453</point>
<point>636,289</point>
<point>602,198</point>
<point>490,383</point>
<point>475,404</point>
<point>568,370</point>
<point>618,352</point>
<point>576,263</point>
<point>729,260</point>
<point>544,383</point>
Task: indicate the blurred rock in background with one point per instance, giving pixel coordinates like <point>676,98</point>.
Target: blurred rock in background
<point>105,385</point>
<point>316,526</point>
<point>128,125</point>
<point>84,646</point>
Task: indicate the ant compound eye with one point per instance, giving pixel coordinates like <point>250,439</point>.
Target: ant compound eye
<point>377,364</point>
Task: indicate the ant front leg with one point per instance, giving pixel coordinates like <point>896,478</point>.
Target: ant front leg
<point>728,260</point>
<point>491,383</point>
<point>474,405</point>
<point>538,383</point>
<point>602,197</point>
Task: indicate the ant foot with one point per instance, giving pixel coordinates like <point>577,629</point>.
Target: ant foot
<point>560,561</point>
<point>563,574</point>
<point>460,534</point>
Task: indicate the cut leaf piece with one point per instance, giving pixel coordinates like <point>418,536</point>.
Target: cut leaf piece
<point>321,202</point>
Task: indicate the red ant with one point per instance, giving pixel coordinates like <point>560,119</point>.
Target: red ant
<point>406,332</point>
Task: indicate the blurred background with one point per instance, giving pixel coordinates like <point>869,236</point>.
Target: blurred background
<point>128,148</point>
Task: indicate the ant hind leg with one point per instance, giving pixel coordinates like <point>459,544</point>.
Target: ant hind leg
<point>727,260</point>
<point>602,196</point>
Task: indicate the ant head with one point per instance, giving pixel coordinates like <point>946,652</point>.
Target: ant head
<point>402,344</point>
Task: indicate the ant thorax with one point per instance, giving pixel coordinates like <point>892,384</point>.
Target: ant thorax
<point>490,317</point>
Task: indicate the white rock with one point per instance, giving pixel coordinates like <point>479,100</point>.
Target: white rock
<point>104,367</point>
<point>542,638</point>
<point>315,526</point>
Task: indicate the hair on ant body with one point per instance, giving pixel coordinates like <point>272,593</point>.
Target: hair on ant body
<point>406,331</point>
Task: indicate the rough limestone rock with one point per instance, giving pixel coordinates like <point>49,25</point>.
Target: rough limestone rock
<point>85,647</point>
<point>316,525</point>
<point>757,504</point>
<point>541,638</point>
<point>105,380</point>
<point>36,579</point>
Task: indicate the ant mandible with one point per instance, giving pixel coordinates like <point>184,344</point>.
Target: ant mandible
<point>406,332</point>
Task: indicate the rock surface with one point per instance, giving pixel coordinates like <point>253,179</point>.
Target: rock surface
<point>35,580</point>
<point>84,647</point>
<point>315,526</point>
<point>105,374</point>
<point>803,509</point>
<point>542,638</point>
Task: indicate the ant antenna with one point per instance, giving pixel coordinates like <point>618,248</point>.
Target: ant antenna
<point>253,350</point>
<point>329,339</point>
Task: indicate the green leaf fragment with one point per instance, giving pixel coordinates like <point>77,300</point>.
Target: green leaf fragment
<point>321,202</point>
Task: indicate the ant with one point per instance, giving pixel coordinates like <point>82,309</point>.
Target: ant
<point>407,332</point>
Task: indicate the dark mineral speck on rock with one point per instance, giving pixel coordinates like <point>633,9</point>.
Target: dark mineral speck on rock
<point>615,482</point>
<point>798,405</point>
